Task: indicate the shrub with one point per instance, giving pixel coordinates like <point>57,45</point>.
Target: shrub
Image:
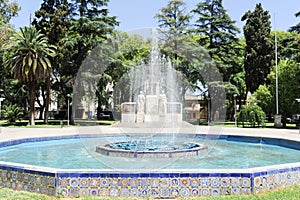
<point>252,116</point>
<point>12,113</point>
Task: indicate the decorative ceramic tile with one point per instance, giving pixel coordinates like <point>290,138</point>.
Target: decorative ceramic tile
<point>215,182</point>
<point>94,192</point>
<point>235,181</point>
<point>104,182</point>
<point>174,182</point>
<point>257,181</point>
<point>144,183</point>
<point>75,192</point>
<point>134,182</point>
<point>225,182</point>
<point>74,182</point>
<point>154,182</point>
<point>215,192</point>
<point>124,192</point>
<point>246,182</point>
<point>205,182</point>
<point>104,192</point>
<point>164,182</point>
<point>84,182</point>
<point>95,183</point>
<point>184,182</point>
<point>174,192</point>
<point>195,192</point>
<point>154,192</point>
<point>194,182</point>
<point>114,182</point>
<point>184,192</point>
<point>164,192</point>
<point>134,192</point>
<point>114,192</point>
<point>124,182</point>
<point>64,192</point>
<point>205,192</point>
<point>246,191</point>
<point>145,193</point>
<point>235,191</point>
<point>84,192</point>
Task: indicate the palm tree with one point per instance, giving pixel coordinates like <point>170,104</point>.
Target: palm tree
<point>29,62</point>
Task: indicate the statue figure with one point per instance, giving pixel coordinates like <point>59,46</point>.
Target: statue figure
<point>162,103</point>
<point>141,103</point>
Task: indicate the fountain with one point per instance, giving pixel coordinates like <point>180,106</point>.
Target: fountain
<point>155,103</point>
<point>152,152</point>
<point>158,99</point>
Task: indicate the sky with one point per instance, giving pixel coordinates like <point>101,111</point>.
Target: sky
<point>137,14</point>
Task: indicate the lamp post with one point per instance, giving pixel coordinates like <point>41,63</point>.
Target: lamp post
<point>208,111</point>
<point>1,99</point>
<point>298,100</point>
<point>235,120</point>
<point>68,96</point>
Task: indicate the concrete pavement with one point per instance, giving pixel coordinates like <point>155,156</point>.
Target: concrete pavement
<point>7,134</point>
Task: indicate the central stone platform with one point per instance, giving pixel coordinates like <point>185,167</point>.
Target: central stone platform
<point>151,149</point>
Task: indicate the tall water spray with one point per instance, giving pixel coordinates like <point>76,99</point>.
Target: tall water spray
<point>154,90</point>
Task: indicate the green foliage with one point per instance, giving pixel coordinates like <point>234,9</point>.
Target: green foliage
<point>259,53</point>
<point>29,60</point>
<point>173,23</point>
<point>173,19</point>
<point>297,26</point>
<point>251,115</point>
<point>8,10</point>
<point>76,27</point>
<point>219,36</point>
<point>288,87</point>
<point>286,44</point>
<point>263,98</point>
<point>12,112</point>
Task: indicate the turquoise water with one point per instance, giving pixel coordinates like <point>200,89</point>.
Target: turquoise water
<point>80,154</point>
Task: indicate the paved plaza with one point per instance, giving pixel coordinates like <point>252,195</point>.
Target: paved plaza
<point>7,134</point>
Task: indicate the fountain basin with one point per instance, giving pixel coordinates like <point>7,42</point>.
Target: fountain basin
<point>144,149</point>
<point>162,183</point>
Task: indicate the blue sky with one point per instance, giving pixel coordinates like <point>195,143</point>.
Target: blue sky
<point>136,14</point>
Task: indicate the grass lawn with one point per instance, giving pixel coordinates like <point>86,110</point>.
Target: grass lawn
<point>291,193</point>
<point>51,124</point>
<point>267,125</point>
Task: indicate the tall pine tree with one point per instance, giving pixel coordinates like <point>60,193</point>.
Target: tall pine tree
<point>173,21</point>
<point>259,52</point>
<point>297,26</point>
<point>219,35</point>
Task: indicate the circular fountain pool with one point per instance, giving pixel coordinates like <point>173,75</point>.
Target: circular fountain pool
<point>80,153</point>
<point>233,165</point>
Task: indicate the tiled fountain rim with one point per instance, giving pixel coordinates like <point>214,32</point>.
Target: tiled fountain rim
<point>253,180</point>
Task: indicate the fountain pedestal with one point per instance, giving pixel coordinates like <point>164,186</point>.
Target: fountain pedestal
<point>174,112</point>
<point>128,112</point>
<point>152,114</point>
<point>140,118</point>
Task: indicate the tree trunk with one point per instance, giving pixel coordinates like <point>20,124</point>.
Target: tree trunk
<point>32,86</point>
<point>41,112</point>
<point>46,116</point>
